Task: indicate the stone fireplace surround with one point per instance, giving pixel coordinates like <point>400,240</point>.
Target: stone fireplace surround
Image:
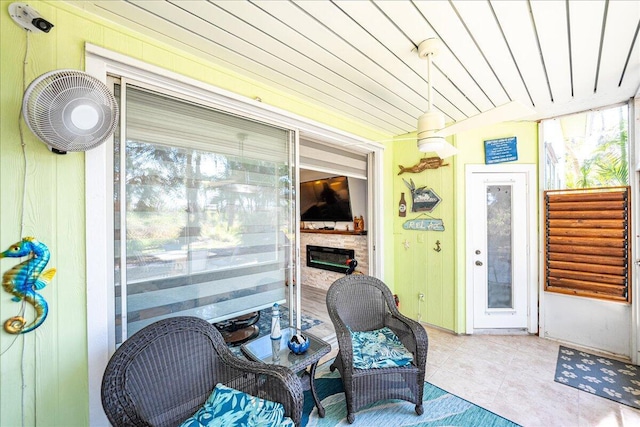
<point>322,279</point>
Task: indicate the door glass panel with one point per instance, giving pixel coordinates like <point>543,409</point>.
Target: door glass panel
<point>499,241</point>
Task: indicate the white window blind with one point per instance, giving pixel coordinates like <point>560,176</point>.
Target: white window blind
<point>204,200</point>
<point>327,158</point>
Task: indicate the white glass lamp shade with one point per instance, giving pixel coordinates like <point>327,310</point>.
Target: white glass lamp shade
<point>429,123</point>
<point>431,144</point>
<point>438,145</point>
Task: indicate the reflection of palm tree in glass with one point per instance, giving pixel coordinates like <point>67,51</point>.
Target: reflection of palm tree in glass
<point>607,164</point>
<point>193,200</point>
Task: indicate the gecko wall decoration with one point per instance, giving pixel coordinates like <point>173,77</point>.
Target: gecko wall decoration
<point>424,164</point>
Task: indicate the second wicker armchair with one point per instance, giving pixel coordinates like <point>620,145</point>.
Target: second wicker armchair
<point>360,303</point>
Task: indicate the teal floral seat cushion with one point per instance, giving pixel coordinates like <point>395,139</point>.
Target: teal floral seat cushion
<point>227,407</point>
<point>380,348</point>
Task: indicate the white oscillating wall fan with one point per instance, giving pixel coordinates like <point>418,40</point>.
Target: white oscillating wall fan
<point>70,110</point>
<point>431,125</point>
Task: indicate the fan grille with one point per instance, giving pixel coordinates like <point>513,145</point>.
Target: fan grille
<point>70,110</point>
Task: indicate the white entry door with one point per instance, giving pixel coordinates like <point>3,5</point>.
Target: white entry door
<point>498,250</point>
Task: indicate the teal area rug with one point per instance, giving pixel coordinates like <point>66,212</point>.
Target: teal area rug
<point>440,408</point>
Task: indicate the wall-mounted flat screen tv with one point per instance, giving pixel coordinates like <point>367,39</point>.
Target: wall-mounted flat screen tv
<point>325,200</point>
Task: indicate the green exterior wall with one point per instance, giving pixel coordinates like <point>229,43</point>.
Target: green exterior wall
<point>53,359</point>
<point>55,355</point>
<point>418,267</point>
<point>471,145</point>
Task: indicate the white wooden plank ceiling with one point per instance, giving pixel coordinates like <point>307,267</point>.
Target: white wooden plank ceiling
<point>359,57</point>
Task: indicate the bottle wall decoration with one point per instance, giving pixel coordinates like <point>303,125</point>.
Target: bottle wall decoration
<point>402,208</point>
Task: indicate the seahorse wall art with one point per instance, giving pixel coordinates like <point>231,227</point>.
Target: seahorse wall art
<point>24,279</point>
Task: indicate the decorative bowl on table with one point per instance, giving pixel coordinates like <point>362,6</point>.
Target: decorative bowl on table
<point>298,344</point>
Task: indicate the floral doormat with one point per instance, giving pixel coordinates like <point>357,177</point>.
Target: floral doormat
<point>599,375</point>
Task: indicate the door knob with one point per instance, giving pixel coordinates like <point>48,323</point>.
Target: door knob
<point>478,262</point>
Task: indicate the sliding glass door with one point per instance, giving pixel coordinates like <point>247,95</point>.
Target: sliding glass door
<point>203,211</point>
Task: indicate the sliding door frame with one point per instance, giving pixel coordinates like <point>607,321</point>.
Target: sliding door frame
<point>100,63</point>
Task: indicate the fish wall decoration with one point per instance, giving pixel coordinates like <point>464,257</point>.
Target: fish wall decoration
<point>424,164</point>
<point>24,279</point>
<point>424,199</point>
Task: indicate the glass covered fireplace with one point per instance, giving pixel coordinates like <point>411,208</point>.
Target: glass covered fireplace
<point>326,258</point>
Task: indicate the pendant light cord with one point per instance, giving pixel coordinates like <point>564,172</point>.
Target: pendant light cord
<point>22,142</point>
<point>22,223</point>
<point>429,87</point>
<point>22,215</point>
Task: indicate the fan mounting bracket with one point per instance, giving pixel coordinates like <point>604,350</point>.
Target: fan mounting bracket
<point>428,47</point>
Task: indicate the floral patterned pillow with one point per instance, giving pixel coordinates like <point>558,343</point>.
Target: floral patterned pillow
<point>227,407</point>
<point>379,349</point>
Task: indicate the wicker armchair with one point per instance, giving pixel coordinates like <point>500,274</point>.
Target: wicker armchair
<point>165,372</point>
<point>364,303</point>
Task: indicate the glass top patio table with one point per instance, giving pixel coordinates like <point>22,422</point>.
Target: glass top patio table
<point>260,350</point>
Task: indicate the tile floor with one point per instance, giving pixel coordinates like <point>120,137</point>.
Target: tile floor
<point>509,375</point>
<point>513,377</point>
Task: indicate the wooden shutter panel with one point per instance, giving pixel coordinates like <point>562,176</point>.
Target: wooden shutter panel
<point>586,242</point>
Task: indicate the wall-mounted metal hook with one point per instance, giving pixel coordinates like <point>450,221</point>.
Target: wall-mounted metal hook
<point>437,248</point>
